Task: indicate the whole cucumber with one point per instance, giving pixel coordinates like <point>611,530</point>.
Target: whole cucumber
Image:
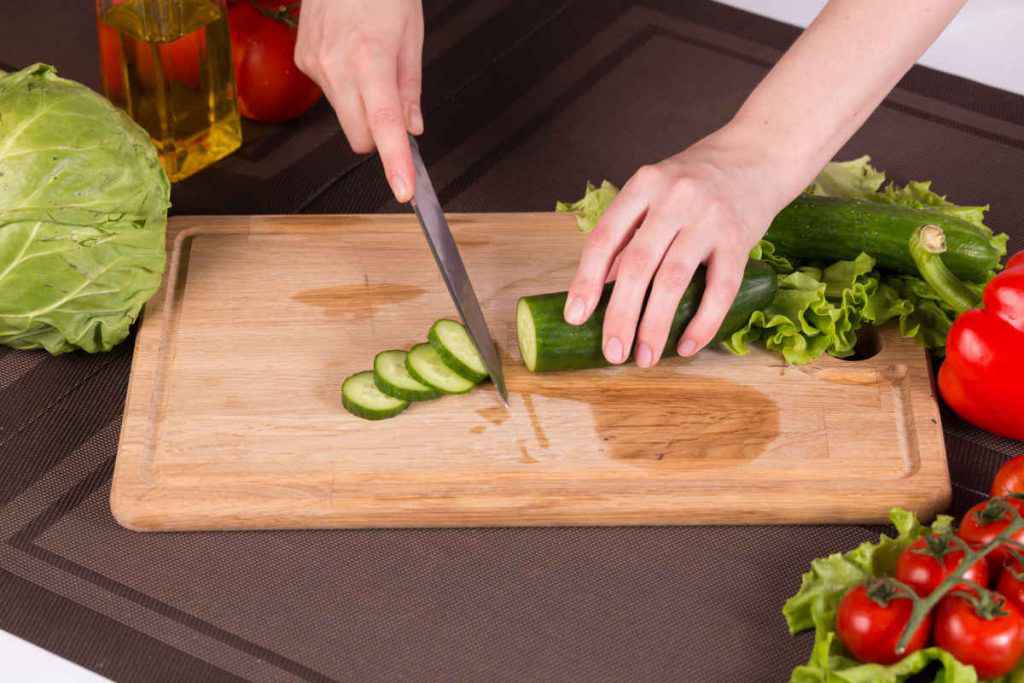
<point>547,342</point>
<point>828,229</point>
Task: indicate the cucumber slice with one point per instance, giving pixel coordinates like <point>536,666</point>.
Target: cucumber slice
<point>452,342</point>
<point>362,398</point>
<point>393,378</point>
<point>425,366</point>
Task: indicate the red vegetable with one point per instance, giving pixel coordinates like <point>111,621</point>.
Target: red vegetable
<point>1010,477</point>
<point>926,562</point>
<point>985,521</point>
<point>871,618</point>
<point>1011,584</point>
<point>270,87</point>
<point>985,632</point>
<point>982,378</point>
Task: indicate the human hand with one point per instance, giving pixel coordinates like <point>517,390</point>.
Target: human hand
<point>709,204</point>
<point>366,55</point>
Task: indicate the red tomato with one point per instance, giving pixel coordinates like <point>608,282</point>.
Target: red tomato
<point>110,61</point>
<point>1010,477</point>
<point>1011,584</point>
<point>871,619</point>
<point>985,521</point>
<point>989,637</point>
<point>181,59</point>
<point>930,559</point>
<point>270,87</point>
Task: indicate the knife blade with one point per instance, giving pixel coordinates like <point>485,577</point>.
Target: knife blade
<point>453,270</point>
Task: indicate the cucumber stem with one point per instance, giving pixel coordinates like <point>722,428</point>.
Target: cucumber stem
<point>926,247</point>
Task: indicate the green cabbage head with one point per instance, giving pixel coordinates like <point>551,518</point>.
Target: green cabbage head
<point>83,210</point>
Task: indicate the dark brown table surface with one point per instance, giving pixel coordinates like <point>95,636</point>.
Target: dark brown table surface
<point>524,100</point>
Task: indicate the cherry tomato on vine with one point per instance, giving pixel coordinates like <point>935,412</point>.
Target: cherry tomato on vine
<point>270,87</point>
<point>985,632</point>
<point>1011,584</point>
<point>985,521</point>
<point>871,618</point>
<point>926,562</point>
<point>1010,477</point>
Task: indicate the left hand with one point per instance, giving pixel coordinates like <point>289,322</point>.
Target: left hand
<point>709,204</point>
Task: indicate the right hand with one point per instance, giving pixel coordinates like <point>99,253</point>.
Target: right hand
<point>367,57</point>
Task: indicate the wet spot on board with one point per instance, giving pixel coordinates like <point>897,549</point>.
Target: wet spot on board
<point>357,301</point>
<point>667,420</point>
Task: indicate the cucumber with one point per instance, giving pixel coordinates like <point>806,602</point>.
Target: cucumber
<point>426,367</point>
<point>547,342</point>
<point>452,342</point>
<point>362,398</point>
<point>829,229</point>
<point>392,377</point>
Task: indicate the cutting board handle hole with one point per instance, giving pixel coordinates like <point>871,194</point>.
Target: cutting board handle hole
<point>869,344</point>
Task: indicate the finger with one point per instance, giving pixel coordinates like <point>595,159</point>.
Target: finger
<point>613,272</point>
<point>603,244</point>
<point>410,76</point>
<point>348,106</point>
<point>377,76</point>
<point>725,272</point>
<point>640,260</point>
<point>670,283</point>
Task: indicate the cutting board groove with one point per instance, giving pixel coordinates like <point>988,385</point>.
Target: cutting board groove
<point>233,416</point>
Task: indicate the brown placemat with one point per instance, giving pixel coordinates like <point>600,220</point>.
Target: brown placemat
<point>525,100</point>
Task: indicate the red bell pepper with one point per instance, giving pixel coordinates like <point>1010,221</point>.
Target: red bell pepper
<point>982,378</point>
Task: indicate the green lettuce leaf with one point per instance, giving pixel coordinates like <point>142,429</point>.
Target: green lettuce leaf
<point>589,208</point>
<point>854,179</point>
<point>814,606</point>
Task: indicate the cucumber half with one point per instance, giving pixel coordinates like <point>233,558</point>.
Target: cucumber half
<point>393,378</point>
<point>361,397</point>
<point>426,367</point>
<point>452,342</point>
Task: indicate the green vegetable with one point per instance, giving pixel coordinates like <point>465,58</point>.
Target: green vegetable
<point>589,209</point>
<point>392,377</point>
<point>547,342</point>
<point>361,397</point>
<point>83,208</point>
<point>427,367</point>
<point>821,304</point>
<point>456,348</point>
<point>826,229</point>
<point>927,245</point>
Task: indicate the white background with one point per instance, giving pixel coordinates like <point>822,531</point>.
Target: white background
<point>984,44</point>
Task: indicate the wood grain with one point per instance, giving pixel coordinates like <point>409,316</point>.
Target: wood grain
<point>233,417</point>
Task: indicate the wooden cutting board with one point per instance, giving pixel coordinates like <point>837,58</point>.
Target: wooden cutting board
<point>233,417</point>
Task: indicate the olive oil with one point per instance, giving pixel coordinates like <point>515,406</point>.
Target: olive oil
<point>168,64</point>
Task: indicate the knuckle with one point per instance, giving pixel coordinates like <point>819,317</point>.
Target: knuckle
<point>410,85</point>
<point>647,173</point>
<point>675,275</point>
<point>384,117</point>
<point>637,260</point>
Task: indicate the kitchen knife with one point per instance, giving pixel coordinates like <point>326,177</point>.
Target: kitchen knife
<point>453,270</point>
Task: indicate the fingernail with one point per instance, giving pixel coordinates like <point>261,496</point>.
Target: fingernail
<point>644,356</point>
<point>400,188</point>
<point>613,350</point>
<point>687,348</point>
<point>416,120</point>
<point>575,309</point>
